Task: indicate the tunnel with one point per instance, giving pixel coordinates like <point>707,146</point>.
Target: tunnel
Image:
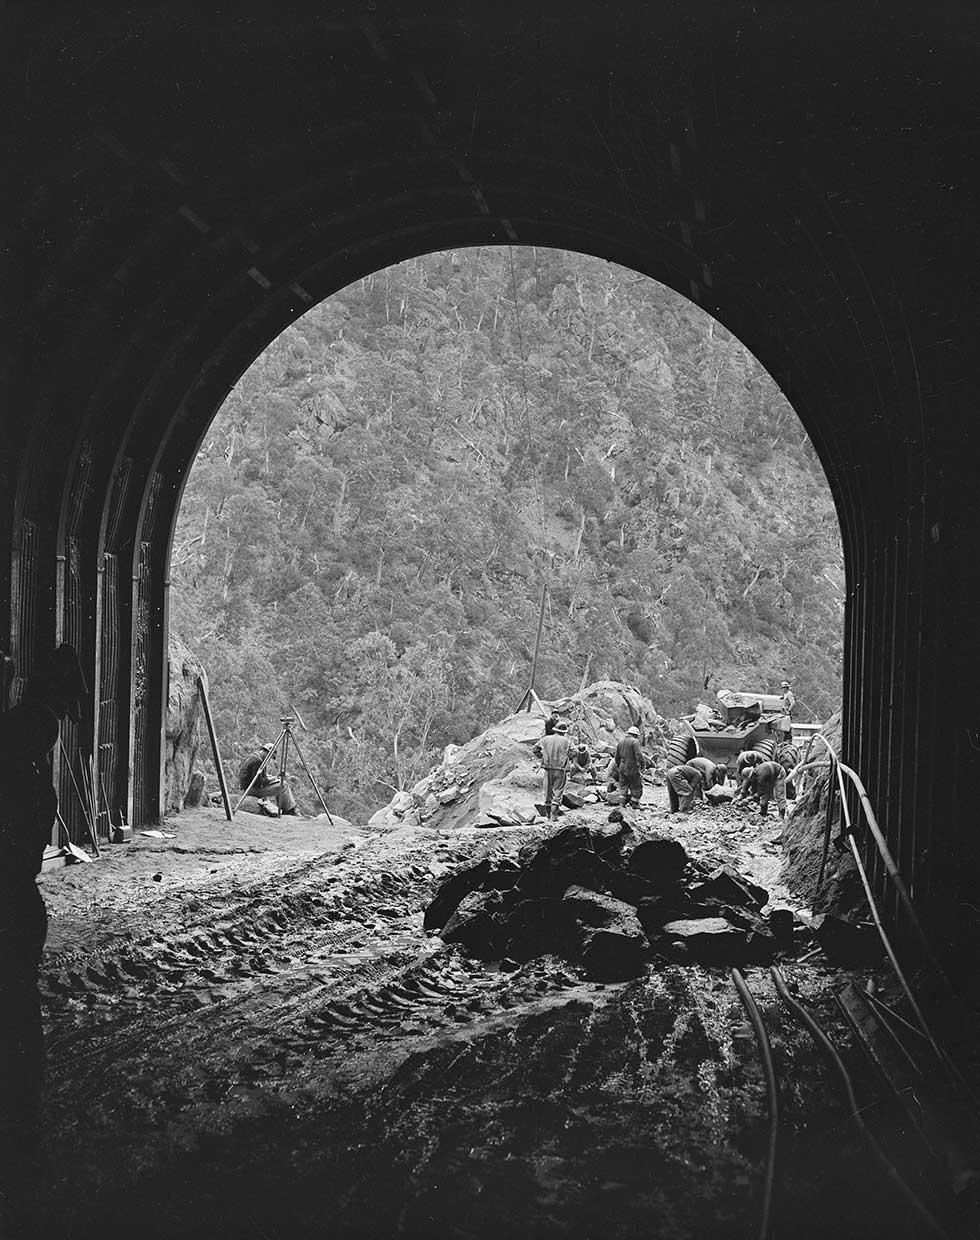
<point>185,184</point>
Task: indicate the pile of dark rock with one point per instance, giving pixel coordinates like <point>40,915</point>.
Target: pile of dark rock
<point>600,899</point>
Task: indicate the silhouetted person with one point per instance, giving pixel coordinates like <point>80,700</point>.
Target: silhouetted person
<point>28,734</point>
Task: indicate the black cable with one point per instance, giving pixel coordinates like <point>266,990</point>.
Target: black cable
<point>769,1071</point>
<point>830,1051</point>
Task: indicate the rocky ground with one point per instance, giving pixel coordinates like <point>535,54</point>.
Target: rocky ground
<point>250,1035</point>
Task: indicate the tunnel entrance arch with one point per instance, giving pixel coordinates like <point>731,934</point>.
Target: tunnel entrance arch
<point>588,399</point>
<point>748,161</point>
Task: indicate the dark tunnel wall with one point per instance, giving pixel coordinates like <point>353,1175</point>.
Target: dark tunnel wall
<point>186,185</point>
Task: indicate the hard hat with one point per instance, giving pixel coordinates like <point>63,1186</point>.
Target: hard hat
<point>785,684</point>
<point>633,731</point>
<point>561,726</point>
<point>266,748</point>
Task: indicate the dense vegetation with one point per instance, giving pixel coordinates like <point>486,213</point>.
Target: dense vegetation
<point>373,512</point>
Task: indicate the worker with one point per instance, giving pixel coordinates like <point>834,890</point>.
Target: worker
<point>28,733</point>
<point>274,795</point>
<point>744,763</point>
<point>684,785</point>
<point>582,767</point>
<point>630,762</point>
<point>767,781</point>
<point>785,723</point>
<point>713,774</point>
<point>554,750</point>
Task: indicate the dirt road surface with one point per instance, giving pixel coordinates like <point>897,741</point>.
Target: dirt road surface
<point>250,1035</point>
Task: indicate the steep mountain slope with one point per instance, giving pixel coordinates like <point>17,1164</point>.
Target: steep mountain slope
<point>377,504</point>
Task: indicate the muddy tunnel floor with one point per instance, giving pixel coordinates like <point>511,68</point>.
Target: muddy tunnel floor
<point>263,1042</point>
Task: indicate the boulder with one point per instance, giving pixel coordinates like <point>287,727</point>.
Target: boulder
<point>572,800</point>
<point>382,819</point>
<point>429,806</point>
<point>552,873</point>
<point>452,891</point>
<point>510,799</point>
<point>719,795</point>
<point>195,792</point>
<point>591,908</point>
<point>654,913</point>
<point>474,925</point>
<point>504,877</point>
<point>659,861</point>
<point>615,954</point>
<point>448,795</point>
<point>537,927</point>
<point>729,887</point>
<point>712,940</point>
<point>608,840</point>
<point>401,803</point>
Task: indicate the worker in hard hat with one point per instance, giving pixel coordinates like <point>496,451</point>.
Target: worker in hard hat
<point>629,761</point>
<point>28,733</point>
<point>784,725</point>
<point>744,763</point>
<point>554,750</point>
<point>767,781</point>
<point>274,795</point>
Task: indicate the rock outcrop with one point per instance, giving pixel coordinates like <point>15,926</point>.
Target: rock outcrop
<point>185,722</point>
<point>492,780</point>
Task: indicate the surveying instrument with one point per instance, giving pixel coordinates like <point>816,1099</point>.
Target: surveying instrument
<point>281,743</point>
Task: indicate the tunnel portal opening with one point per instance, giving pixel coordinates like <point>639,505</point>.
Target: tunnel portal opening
<point>382,497</point>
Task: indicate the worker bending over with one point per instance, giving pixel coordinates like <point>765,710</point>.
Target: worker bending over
<point>582,767</point>
<point>554,750</point>
<point>744,763</point>
<point>713,774</point>
<point>767,781</point>
<point>684,784</point>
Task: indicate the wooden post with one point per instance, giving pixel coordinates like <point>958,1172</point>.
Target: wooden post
<point>214,748</point>
<point>530,697</point>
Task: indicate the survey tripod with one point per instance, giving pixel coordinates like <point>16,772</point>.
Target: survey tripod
<point>281,743</point>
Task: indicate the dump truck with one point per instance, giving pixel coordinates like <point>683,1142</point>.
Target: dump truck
<point>739,721</point>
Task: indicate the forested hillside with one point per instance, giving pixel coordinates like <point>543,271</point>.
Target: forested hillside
<point>373,512</point>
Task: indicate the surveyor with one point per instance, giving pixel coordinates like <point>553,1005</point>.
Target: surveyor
<point>554,750</point>
<point>785,723</point>
<point>630,762</point>
<point>767,781</point>
<point>28,733</point>
<point>713,774</point>
<point>684,784</point>
<point>274,795</point>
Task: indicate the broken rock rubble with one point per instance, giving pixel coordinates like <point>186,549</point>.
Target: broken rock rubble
<point>602,901</point>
